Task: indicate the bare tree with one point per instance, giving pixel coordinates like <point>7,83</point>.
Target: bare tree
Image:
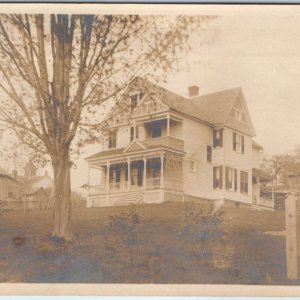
<point>58,71</point>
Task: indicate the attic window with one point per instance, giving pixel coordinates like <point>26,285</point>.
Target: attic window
<point>135,99</point>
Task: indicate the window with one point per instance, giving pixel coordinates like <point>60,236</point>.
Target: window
<point>238,142</point>
<point>134,133</point>
<point>218,138</point>
<point>135,99</point>
<point>115,173</point>
<point>192,165</point>
<point>156,129</point>
<point>231,179</point>
<point>208,153</point>
<point>244,182</point>
<point>112,139</point>
<point>218,177</point>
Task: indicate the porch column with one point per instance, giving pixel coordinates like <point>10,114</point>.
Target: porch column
<point>258,194</point>
<point>128,175</point>
<point>107,177</point>
<point>145,173</point>
<point>168,126</point>
<point>161,170</point>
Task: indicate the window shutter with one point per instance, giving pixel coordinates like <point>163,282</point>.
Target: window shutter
<point>208,153</point>
<point>234,141</point>
<point>235,179</point>
<point>215,177</point>
<point>221,138</point>
<point>214,139</point>
<point>226,177</point>
<point>221,178</point>
<point>243,147</point>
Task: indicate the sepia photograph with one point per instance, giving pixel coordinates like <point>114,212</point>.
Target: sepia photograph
<point>149,145</point>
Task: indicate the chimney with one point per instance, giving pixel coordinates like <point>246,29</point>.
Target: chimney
<point>193,90</point>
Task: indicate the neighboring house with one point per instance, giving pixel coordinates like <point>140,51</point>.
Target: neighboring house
<point>37,193</point>
<point>290,176</point>
<point>166,147</point>
<point>9,191</point>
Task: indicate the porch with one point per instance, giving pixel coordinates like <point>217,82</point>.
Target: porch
<point>262,189</point>
<point>140,178</point>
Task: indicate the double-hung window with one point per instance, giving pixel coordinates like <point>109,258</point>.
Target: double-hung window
<point>244,182</point>
<point>231,179</point>
<point>218,138</point>
<point>134,133</point>
<point>218,177</point>
<point>238,142</point>
<point>112,139</point>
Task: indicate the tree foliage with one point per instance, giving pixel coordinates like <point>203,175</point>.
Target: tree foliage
<point>61,73</point>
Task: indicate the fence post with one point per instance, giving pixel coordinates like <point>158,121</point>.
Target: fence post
<point>291,236</point>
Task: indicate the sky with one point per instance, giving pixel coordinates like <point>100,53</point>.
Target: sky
<point>258,51</point>
<point>257,48</point>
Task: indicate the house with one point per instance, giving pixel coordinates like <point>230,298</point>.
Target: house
<point>166,147</point>
<point>290,176</point>
<point>9,191</point>
<point>37,193</point>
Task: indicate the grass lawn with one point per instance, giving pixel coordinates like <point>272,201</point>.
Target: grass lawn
<point>165,243</point>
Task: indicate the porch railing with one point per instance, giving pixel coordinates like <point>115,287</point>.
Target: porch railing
<point>153,182</point>
<point>150,184</point>
<point>122,185</point>
<point>97,189</point>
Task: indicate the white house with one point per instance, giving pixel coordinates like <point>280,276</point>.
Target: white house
<point>166,147</point>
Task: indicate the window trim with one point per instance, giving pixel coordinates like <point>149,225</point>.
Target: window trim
<point>218,142</point>
<point>135,133</point>
<point>238,142</point>
<point>233,172</point>
<point>209,154</point>
<point>218,184</point>
<point>244,186</point>
<point>112,133</point>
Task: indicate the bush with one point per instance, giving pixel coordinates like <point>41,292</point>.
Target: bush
<point>202,227</point>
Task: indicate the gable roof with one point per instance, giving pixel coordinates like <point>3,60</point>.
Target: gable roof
<point>135,145</point>
<point>212,108</point>
<point>106,153</point>
<point>215,107</point>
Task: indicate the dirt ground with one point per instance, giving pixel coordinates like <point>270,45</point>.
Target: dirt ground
<point>166,243</point>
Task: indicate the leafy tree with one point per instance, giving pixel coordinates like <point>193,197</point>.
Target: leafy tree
<point>61,73</point>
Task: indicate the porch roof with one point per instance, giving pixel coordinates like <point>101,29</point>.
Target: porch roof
<point>122,154</point>
<point>262,174</point>
<point>105,153</point>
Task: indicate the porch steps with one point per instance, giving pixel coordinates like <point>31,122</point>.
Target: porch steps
<point>260,207</point>
<point>126,198</point>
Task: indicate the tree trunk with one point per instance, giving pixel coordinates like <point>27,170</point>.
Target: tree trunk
<point>62,196</point>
